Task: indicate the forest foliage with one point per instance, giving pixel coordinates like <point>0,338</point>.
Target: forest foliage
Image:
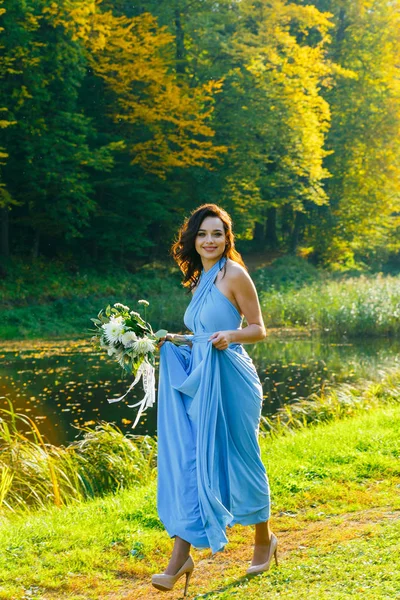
<point>116,120</point>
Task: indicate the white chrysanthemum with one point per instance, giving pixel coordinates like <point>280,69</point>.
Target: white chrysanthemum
<point>143,346</point>
<point>111,350</point>
<point>132,353</point>
<point>128,338</point>
<point>114,329</point>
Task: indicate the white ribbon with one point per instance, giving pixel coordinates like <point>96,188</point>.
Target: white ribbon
<point>147,372</point>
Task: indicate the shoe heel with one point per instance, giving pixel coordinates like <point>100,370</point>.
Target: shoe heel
<point>276,556</point>
<point>188,575</point>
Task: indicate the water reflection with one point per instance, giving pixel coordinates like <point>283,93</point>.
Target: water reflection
<point>292,369</point>
<point>64,384</point>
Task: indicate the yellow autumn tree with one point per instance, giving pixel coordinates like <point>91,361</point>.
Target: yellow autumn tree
<point>164,122</point>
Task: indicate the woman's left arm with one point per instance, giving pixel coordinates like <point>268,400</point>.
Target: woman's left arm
<point>245,294</point>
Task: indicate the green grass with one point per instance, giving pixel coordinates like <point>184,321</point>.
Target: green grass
<point>364,567</point>
<point>326,463</point>
<point>332,487</point>
<point>46,299</point>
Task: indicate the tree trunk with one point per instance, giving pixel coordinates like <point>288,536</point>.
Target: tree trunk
<point>270,230</point>
<point>122,256</point>
<point>258,235</point>
<point>36,241</point>
<point>294,238</point>
<point>4,244</point>
<point>180,43</point>
<point>95,250</point>
<point>342,26</point>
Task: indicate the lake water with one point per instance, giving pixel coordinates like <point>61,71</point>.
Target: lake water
<point>63,385</point>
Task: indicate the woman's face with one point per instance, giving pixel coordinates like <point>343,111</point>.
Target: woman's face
<point>210,239</point>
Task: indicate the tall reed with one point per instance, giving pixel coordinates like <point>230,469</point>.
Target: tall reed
<point>354,307</point>
<point>34,473</point>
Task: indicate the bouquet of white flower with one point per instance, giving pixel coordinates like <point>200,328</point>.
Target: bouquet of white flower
<point>131,340</point>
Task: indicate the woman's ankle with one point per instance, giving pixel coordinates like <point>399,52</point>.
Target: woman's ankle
<point>263,538</point>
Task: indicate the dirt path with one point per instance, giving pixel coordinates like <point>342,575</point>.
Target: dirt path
<point>212,572</point>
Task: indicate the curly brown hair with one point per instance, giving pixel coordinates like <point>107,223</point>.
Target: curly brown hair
<point>184,252</point>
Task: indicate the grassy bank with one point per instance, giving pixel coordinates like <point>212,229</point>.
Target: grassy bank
<point>335,509</point>
<point>344,400</point>
<point>54,299</point>
<point>49,299</point>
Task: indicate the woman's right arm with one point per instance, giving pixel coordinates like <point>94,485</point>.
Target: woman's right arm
<point>175,338</point>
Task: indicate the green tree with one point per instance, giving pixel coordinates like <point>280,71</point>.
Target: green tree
<point>364,137</point>
<point>47,171</point>
<point>6,200</point>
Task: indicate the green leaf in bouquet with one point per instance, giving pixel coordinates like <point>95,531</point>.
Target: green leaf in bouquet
<point>95,320</point>
<point>108,311</point>
<point>161,333</point>
<point>143,331</point>
<point>130,323</point>
<point>137,317</point>
<point>102,318</point>
<point>137,327</point>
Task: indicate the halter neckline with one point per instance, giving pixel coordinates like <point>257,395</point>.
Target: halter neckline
<point>218,263</point>
<point>192,318</point>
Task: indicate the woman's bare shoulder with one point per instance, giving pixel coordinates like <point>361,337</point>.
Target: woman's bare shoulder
<point>235,271</point>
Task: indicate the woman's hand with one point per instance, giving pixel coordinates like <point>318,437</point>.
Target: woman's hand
<point>221,339</point>
<point>167,338</point>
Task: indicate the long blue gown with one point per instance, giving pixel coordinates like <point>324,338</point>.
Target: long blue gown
<point>209,469</point>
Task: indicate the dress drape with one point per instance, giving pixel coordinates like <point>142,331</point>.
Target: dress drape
<point>209,469</point>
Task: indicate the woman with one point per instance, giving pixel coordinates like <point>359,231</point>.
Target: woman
<point>210,473</point>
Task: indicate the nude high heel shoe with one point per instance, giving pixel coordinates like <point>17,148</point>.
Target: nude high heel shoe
<point>164,582</point>
<point>265,566</point>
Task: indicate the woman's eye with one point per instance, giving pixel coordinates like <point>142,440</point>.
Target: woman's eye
<point>215,234</point>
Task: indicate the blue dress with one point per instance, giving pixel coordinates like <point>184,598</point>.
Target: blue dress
<point>209,469</point>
